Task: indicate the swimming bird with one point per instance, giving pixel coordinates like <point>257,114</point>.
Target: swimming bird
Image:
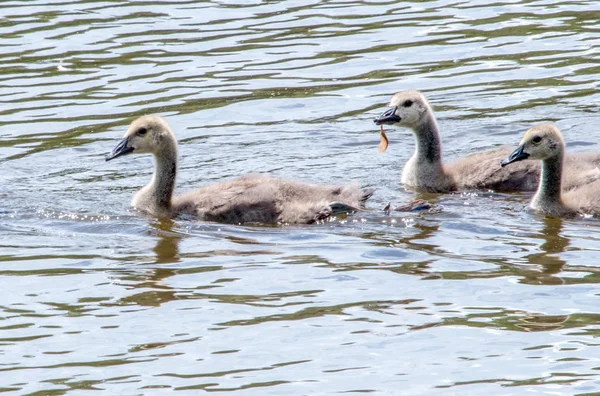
<point>247,199</point>
<point>544,142</point>
<point>425,170</point>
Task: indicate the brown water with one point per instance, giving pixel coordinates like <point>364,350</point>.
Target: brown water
<point>478,297</point>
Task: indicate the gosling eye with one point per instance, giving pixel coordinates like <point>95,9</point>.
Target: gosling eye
<point>141,132</point>
<point>407,103</point>
<point>536,139</point>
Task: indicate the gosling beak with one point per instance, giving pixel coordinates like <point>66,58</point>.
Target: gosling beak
<point>121,149</point>
<point>388,117</point>
<point>517,155</point>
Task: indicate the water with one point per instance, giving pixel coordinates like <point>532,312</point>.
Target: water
<point>477,297</point>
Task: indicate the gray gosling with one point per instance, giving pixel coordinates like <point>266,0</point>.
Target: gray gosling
<point>425,171</point>
<point>248,199</point>
<point>544,142</point>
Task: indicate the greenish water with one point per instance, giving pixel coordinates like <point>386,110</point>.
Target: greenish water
<point>478,297</point>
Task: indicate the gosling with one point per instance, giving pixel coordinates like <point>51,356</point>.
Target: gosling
<point>247,199</point>
<point>544,142</point>
<point>425,171</point>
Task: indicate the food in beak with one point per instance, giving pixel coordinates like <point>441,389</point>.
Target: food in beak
<point>383,143</point>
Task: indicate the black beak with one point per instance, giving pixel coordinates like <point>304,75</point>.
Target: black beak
<point>121,149</point>
<point>517,155</point>
<point>388,117</point>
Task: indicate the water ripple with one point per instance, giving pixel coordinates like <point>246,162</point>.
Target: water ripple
<point>477,296</point>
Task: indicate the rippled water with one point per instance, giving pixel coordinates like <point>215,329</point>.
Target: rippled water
<point>476,297</point>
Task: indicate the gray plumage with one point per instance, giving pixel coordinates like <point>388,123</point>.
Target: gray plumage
<point>425,170</point>
<point>247,199</point>
<point>544,142</point>
<point>482,171</point>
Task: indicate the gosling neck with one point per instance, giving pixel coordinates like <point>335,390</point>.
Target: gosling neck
<point>549,191</point>
<point>162,186</point>
<point>429,149</point>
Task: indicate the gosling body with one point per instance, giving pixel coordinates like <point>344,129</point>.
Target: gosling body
<point>544,142</point>
<point>426,171</point>
<point>247,199</point>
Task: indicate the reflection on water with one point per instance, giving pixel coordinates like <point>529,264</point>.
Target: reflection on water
<point>548,258</point>
<point>476,295</point>
<point>167,246</point>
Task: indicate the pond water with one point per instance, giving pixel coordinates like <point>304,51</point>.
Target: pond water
<point>476,297</point>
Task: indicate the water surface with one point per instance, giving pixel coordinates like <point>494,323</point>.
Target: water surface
<point>476,297</point>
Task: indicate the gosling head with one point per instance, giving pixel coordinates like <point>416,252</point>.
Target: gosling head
<point>407,108</point>
<point>147,134</point>
<point>540,142</point>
